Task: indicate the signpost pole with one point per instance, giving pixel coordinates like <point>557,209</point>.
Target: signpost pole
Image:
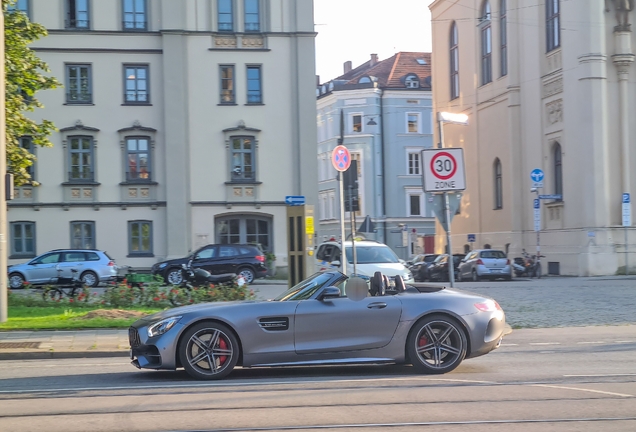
<point>627,222</point>
<point>343,252</point>
<point>341,160</point>
<point>451,266</point>
<point>352,215</point>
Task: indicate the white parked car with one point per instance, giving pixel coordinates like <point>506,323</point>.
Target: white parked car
<point>484,264</point>
<point>371,256</point>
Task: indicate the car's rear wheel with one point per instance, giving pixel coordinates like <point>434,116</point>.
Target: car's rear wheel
<point>247,274</point>
<point>436,344</point>
<point>16,280</point>
<point>208,351</point>
<point>476,277</point>
<point>174,276</point>
<point>458,275</point>
<point>90,279</point>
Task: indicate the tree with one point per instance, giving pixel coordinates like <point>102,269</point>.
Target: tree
<point>25,75</point>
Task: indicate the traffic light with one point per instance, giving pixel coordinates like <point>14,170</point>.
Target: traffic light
<point>350,185</point>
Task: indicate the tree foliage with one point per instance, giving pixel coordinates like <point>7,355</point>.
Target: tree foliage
<point>25,75</point>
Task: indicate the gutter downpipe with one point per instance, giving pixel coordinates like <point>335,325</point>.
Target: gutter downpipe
<point>383,166</point>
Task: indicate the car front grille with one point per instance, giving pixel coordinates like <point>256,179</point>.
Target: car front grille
<point>133,337</point>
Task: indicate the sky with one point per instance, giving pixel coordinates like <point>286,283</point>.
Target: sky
<point>355,29</point>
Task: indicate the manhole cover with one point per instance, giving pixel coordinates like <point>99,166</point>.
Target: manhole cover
<point>14,345</point>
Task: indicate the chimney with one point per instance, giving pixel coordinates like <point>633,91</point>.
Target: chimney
<point>347,66</point>
<point>317,80</point>
<point>374,60</point>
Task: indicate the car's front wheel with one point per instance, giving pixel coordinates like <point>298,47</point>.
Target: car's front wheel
<point>174,276</point>
<point>16,280</point>
<point>208,351</point>
<point>436,344</point>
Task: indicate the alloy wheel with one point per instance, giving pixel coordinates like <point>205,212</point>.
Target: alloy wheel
<point>439,345</point>
<point>174,277</point>
<point>209,351</point>
<point>89,279</point>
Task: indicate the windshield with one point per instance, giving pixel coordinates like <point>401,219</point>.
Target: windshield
<point>306,288</point>
<point>372,255</point>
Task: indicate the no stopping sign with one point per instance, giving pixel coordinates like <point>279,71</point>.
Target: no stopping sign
<point>443,170</point>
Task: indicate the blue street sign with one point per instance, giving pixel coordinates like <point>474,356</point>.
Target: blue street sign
<point>626,198</point>
<point>551,197</point>
<point>537,203</point>
<point>295,200</point>
<point>471,238</point>
<point>537,175</point>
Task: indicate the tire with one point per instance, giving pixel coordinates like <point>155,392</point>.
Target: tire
<point>174,276</point>
<point>476,277</point>
<point>436,344</point>
<point>248,274</point>
<point>52,294</point>
<point>89,279</point>
<point>458,276</point>
<point>16,280</point>
<point>211,363</point>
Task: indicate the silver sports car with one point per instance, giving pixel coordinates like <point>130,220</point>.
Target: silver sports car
<point>326,319</point>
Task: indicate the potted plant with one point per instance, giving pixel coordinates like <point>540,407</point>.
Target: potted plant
<point>270,262</point>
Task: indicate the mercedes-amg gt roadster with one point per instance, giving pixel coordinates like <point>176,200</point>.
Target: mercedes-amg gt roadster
<point>326,319</point>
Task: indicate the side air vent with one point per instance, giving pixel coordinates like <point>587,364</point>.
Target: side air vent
<point>274,323</point>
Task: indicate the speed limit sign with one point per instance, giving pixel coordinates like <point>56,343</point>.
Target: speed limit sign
<point>443,170</point>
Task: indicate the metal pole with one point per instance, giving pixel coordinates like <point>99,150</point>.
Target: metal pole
<point>626,253</point>
<point>451,269</point>
<point>343,252</point>
<point>353,232</point>
<point>4,298</point>
<point>538,263</point>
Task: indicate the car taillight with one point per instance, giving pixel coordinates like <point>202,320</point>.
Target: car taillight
<point>260,258</point>
<point>111,263</point>
<point>507,262</point>
<point>480,262</point>
<point>488,306</point>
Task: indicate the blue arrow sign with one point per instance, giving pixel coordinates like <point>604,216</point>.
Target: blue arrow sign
<point>551,197</point>
<point>295,200</point>
<point>537,204</point>
<point>471,238</point>
<point>537,175</point>
<point>626,198</point>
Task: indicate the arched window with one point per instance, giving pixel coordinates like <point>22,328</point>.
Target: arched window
<point>454,62</point>
<point>558,170</point>
<point>553,24</point>
<point>503,38</point>
<point>412,81</point>
<point>498,185</point>
<point>486,44</point>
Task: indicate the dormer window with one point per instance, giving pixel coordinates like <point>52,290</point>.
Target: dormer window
<point>364,80</point>
<point>412,81</point>
<point>421,61</point>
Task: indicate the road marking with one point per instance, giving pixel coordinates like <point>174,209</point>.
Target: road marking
<point>509,344</point>
<point>595,342</point>
<point>583,390</point>
<point>546,343</point>
<point>599,375</point>
<point>627,341</point>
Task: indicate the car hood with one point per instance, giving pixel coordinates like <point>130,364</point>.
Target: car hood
<point>389,269</point>
<point>182,310</point>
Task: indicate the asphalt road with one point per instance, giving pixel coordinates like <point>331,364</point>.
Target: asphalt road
<point>560,379</point>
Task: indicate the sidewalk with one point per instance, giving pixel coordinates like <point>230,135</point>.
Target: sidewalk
<point>45,344</point>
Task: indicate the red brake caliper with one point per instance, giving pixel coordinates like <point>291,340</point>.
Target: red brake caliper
<point>422,342</point>
<point>223,346</point>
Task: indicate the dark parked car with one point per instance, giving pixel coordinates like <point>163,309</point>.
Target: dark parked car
<point>438,270</point>
<point>244,260</point>
<point>419,265</point>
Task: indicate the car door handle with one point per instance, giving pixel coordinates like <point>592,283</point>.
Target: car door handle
<point>376,305</point>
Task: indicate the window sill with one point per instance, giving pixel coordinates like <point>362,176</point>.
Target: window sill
<point>81,183</point>
<point>136,104</point>
<point>138,182</point>
<point>255,104</point>
<point>554,203</point>
<point>79,104</point>
<point>239,182</point>
<point>141,255</point>
<point>22,256</point>
<point>227,104</point>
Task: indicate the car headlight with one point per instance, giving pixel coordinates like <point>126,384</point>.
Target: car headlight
<point>162,265</point>
<point>162,326</point>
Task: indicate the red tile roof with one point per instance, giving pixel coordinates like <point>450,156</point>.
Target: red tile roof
<point>390,73</point>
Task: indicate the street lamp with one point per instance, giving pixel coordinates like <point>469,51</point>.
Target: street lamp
<point>461,119</point>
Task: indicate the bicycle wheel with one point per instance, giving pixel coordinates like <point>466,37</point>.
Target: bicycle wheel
<point>180,296</point>
<point>52,294</point>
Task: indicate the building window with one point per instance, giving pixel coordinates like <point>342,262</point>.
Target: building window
<point>553,24</point>
<point>414,163</point>
<point>254,88</point>
<point>79,85</point>
<point>138,159</point>
<point>558,170</point>
<point>503,37</point>
<point>486,44</point>
<point>243,159</point>
<point>135,15</point>
<point>22,239</point>
<point>415,205</point>
<point>454,62</point>
<point>356,122</point>
<point>83,235</point>
<point>498,185</point>
<point>252,16</point>
<point>412,81</point>
<point>248,229</point>
<point>81,155</point>
<point>136,79</point>
<point>27,144</point>
<point>413,122</point>
<point>77,16</point>
<point>140,238</point>
<point>225,15</point>
<point>19,5</point>
<point>227,84</point>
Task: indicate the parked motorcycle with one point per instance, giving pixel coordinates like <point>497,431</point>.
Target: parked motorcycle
<point>528,265</point>
<point>197,276</point>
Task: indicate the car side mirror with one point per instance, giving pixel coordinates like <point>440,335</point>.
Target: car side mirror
<point>335,263</point>
<point>329,293</point>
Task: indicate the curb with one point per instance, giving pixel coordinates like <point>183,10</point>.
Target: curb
<point>40,355</point>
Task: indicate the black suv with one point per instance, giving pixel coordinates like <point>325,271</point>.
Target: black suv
<point>244,260</point>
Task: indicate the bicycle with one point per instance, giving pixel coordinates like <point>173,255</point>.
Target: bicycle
<point>61,286</point>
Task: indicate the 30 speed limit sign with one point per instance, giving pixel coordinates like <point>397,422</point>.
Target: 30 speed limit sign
<point>443,170</point>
